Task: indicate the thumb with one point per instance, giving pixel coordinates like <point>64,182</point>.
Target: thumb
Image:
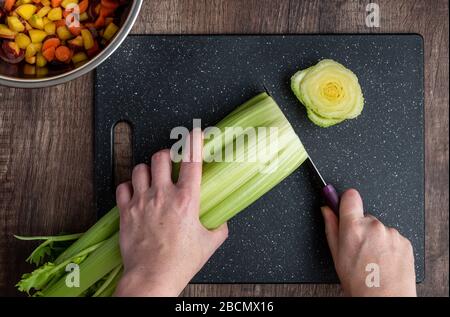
<point>219,235</point>
<point>331,230</point>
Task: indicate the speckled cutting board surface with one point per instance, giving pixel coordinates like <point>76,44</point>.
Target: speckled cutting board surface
<point>160,82</point>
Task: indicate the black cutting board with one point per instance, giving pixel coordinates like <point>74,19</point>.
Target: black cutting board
<point>160,82</point>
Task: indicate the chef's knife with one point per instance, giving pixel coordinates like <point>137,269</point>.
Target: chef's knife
<point>328,191</point>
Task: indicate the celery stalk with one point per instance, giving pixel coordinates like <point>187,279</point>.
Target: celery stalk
<point>39,278</point>
<point>290,159</point>
<point>101,230</point>
<point>98,264</point>
<point>109,282</point>
<point>227,188</point>
<point>229,172</point>
<point>46,248</point>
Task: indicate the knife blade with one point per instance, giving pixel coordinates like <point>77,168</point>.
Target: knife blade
<point>328,192</point>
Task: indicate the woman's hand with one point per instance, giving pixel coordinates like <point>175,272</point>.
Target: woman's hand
<point>162,242</point>
<point>362,247</point>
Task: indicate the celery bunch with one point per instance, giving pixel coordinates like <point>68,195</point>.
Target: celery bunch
<point>228,187</point>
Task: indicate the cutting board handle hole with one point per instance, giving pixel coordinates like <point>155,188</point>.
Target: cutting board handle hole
<point>122,152</point>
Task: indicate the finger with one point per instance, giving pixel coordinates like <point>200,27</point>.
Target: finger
<point>161,168</point>
<point>331,230</point>
<point>219,235</point>
<point>191,167</point>
<point>124,192</point>
<point>140,178</point>
<point>351,206</point>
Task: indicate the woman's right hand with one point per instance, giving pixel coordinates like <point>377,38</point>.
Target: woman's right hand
<point>370,258</point>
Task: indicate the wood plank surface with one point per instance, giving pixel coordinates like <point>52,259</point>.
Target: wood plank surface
<point>46,135</point>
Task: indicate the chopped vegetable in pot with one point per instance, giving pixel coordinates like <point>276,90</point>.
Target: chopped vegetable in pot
<point>56,33</point>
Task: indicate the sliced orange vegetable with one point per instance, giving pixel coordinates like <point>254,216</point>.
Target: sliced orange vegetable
<point>110,4</point>
<point>59,23</point>
<point>83,6</point>
<point>100,22</point>
<point>75,30</point>
<point>67,12</point>
<point>51,42</point>
<point>63,54</point>
<point>106,12</point>
<point>49,54</point>
<point>56,3</point>
<point>9,4</point>
<point>45,23</point>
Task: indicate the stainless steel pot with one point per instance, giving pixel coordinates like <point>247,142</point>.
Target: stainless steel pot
<point>11,75</point>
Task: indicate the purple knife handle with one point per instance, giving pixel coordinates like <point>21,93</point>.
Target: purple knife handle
<point>331,197</point>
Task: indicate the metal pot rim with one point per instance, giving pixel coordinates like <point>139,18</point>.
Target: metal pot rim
<point>77,72</point>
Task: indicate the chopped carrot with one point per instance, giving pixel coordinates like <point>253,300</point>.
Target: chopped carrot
<point>49,54</point>
<point>9,4</point>
<point>56,3</point>
<point>51,42</point>
<point>111,4</point>
<point>75,30</point>
<point>61,22</point>
<point>63,54</point>
<point>100,22</point>
<point>66,12</point>
<point>106,12</point>
<point>68,35</point>
<point>83,6</point>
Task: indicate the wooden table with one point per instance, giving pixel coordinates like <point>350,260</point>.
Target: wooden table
<point>46,135</point>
